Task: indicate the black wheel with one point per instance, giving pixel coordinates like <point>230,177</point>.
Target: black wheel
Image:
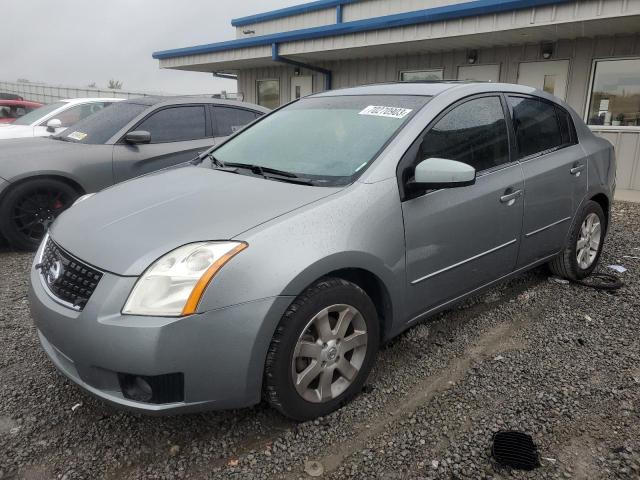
<point>30,207</point>
<point>584,247</point>
<point>322,351</point>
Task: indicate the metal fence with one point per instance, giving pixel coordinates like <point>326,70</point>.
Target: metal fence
<point>39,92</point>
<point>50,93</point>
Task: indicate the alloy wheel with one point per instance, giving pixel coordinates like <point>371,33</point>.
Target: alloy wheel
<point>329,353</point>
<point>588,241</point>
<point>33,213</point>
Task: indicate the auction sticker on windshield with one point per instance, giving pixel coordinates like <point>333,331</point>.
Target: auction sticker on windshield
<point>79,136</point>
<point>381,111</point>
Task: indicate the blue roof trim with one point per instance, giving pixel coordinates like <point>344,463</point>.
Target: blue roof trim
<point>289,11</point>
<point>449,12</point>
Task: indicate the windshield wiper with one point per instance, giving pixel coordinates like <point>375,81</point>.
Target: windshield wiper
<point>260,170</point>
<point>274,173</point>
<point>216,162</point>
<point>62,139</point>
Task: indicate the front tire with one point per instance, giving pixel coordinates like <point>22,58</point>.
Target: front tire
<point>29,208</point>
<point>322,351</point>
<point>586,239</point>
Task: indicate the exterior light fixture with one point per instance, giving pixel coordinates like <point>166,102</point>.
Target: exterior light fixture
<point>472,57</point>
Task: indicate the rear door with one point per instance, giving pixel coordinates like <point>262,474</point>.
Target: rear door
<point>554,171</point>
<point>458,239</point>
<point>178,134</point>
<point>228,120</point>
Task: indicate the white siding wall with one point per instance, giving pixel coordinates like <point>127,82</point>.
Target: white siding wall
<point>376,8</point>
<point>286,24</point>
<point>580,53</point>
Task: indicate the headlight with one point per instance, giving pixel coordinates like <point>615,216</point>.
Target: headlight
<point>173,285</point>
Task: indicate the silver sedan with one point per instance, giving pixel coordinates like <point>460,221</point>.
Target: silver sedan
<point>279,263</point>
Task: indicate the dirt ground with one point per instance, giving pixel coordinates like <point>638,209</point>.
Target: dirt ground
<point>558,361</point>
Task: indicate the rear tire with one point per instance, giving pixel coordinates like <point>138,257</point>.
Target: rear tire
<point>584,246</point>
<point>29,208</point>
<point>322,351</point>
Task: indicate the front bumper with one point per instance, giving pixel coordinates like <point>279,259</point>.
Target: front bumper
<point>220,353</point>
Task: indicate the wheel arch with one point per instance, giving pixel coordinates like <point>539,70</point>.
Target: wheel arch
<point>602,200</point>
<point>51,176</point>
<point>361,269</point>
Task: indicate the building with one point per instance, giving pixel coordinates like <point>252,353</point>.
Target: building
<point>585,52</point>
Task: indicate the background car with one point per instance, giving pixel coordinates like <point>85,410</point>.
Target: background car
<point>10,96</point>
<point>10,110</point>
<point>276,267</point>
<point>54,117</point>
<point>40,177</point>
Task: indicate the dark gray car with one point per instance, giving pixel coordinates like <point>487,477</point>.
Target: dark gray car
<point>41,177</point>
<point>278,265</point>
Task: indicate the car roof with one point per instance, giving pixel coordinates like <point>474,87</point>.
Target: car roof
<point>186,99</point>
<point>423,88</point>
<point>91,100</point>
<point>18,103</point>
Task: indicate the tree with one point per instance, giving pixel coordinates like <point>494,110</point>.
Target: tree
<point>114,84</point>
<point>92,85</point>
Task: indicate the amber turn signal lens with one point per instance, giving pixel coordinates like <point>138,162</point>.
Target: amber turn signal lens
<point>196,294</point>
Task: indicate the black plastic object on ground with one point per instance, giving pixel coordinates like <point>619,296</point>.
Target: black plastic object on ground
<point>601,281</point>
<point>515,450</point>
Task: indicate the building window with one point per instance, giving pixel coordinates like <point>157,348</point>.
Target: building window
<point>419,75</point>
<point>615,93</point>
<point>268,93</point>
<point>480,73</point>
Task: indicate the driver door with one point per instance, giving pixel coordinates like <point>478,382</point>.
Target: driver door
<point>459,239</point>
<point>178,134</point>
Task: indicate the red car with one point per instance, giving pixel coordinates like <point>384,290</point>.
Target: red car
<point>12,109</point>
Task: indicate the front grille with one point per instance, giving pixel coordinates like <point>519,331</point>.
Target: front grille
<point>66,277</point>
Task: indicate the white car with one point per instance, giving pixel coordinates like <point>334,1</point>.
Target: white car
<point>54,117</point>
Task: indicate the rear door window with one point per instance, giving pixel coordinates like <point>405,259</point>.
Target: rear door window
<point>176,124</point>
<point>228,120</point>
<point>536,126</point>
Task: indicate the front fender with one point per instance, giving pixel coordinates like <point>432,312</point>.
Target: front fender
<point>360,227</point>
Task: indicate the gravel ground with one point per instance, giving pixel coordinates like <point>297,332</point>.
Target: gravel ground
<point>561,362</point>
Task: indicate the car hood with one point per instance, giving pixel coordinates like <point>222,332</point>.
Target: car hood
<point>123,229</point>
<point>8,130</point>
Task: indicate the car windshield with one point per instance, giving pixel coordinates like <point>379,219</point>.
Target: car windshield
<point>38,113</point>
<point>330,140</point>
<point>101,126</point>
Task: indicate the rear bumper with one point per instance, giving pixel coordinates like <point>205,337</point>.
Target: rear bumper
<point>219,353</point>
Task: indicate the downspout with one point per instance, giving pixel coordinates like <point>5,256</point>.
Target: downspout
<point>275,56</point>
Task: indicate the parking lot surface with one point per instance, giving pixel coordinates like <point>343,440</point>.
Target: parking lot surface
<point>558,361</point>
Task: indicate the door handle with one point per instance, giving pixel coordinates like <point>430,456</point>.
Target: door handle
<point>576,169</point>
<point>509,198</point>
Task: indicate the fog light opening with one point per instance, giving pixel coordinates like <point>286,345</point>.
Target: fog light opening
<point>157,389</point>
<point>136,388</point>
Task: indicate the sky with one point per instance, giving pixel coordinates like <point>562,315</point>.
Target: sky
<point>79,42</point>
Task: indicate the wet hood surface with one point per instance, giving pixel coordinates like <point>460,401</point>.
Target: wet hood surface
<point>125,228</point>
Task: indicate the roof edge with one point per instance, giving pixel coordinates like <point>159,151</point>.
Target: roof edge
<point>447,12</point>
<point>289,11</point>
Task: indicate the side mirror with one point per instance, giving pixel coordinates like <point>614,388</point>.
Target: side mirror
<point>442,173</point>
<point>137,137</point>
<point>53,124</point>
